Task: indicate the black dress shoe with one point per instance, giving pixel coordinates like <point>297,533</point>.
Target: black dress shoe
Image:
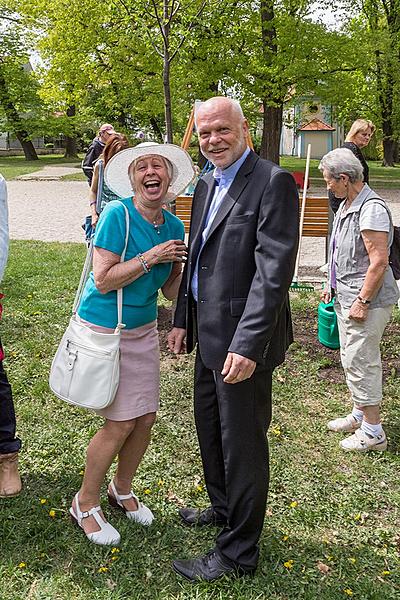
<point>195,516</point>
<point>207,568</point>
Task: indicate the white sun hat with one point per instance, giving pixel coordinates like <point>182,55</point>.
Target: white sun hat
<point>116,172</point>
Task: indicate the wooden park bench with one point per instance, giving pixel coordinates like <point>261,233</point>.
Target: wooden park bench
<point>183,210</point>
<point>316,217</point>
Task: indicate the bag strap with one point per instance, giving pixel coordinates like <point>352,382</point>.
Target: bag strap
<point>381,202</point>
<point>87,267</point>
<point>100,181</point>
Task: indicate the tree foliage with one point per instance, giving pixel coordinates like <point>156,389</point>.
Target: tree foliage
<point>141,64</point>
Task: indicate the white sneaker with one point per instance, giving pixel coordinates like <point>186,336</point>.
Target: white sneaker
<point>142,514</point>
<point>362,442</point>
<point>346,424</point>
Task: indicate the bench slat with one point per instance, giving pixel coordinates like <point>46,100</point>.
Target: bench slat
<point>316,217</point>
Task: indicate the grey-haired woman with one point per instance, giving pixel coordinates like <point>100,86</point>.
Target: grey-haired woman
<point>361,279</point>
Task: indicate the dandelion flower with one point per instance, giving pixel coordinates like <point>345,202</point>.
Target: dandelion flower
<point>52,513</point>
<point>352,560</point>
<point>348,591</point>
<point>114,550</point>
<point>43,500</point>
<point>288,564</point>
<point>276,430</point>
<point>293,504</point>
<point>285,538</point>
<point>22,565</point>
<point>199,488</point>
<point>147,491</point>
<point>357,517</point>
<point>384,573</point>
<point>102,569</point>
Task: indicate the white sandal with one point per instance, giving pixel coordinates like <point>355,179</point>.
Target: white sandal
<point>142,514</point>
<point>107,536</point>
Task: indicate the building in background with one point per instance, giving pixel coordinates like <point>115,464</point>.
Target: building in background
<point>310,122</point>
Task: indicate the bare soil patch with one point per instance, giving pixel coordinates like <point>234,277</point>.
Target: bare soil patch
<point>306,339</point>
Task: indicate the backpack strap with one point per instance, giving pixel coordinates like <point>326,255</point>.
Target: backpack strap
<point>382,203</point>
<point>100,183</point>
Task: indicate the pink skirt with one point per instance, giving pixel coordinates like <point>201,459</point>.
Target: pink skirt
<point>139,375</point>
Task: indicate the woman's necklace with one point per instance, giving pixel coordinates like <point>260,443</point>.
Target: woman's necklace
<point>155,222</point>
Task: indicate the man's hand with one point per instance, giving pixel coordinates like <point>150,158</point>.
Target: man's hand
<point>176,340</point>
<point>237,368</point>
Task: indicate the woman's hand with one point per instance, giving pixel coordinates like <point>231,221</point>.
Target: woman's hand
<point>325,296</point>
<point>170,251</point>
<point>358,311</point>
<point>95,216</point>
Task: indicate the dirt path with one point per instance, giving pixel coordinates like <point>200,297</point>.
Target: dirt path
<point>47,210</point>
<point>53,211</point>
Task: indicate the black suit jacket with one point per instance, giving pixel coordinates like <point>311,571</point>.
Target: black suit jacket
<point>245,267</point>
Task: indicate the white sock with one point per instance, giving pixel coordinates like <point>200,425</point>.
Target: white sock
<point>357,414</point>
<point>374,430</point>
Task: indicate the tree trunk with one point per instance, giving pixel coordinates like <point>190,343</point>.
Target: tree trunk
<point>156,128</point>
<point>71,146</point>
<point>15,121</point>
<point>271,136</point>
<point>273,106</point>
<point>396,151</point>
<point>166,76</point>
<point>167,101</point>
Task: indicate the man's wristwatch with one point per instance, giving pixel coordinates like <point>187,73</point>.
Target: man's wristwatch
<point>363,300</point>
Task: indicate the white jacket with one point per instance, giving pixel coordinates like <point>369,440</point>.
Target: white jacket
<point>4,235</point>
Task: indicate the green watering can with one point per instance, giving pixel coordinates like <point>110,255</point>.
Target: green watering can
<point>328,333</point>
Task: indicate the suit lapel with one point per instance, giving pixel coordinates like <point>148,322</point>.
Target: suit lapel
<point>236,189</point>
<point>208,196</point>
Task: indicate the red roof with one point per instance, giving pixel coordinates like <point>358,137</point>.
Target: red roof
<point>316,125</point>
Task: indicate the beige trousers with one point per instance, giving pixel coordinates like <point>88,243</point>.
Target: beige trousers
<point>360,353</point>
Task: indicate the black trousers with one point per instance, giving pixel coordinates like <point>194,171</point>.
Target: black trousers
<point>232,422</point>
<point>8,442</point>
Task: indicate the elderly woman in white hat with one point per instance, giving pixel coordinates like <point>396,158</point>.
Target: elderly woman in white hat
<point>147,177</point>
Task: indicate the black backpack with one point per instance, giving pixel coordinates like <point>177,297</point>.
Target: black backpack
<point>394,256</point>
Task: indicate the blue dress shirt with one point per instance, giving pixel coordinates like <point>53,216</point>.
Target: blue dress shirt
<point>223,180</point>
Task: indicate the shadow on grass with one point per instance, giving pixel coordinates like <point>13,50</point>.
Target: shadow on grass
<point>38,548</point>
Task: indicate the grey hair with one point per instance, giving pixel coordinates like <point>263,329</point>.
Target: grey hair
<point>342,162</point>
<point>131,168</point>
<point>211,102</point>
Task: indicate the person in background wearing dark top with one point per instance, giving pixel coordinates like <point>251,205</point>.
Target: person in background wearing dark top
<point>95,149</point>
<point>358,137</point>
<point>10,481</point>
<point>115,143</point>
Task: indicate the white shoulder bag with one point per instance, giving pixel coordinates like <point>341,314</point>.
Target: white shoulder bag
<point>85,369</point>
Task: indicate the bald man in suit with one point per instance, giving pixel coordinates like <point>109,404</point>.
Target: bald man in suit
<point>233,303</point>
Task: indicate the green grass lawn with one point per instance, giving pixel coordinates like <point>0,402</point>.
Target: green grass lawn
<point>380,177</point>
<point>13,166</point>
<point>332,524</point>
